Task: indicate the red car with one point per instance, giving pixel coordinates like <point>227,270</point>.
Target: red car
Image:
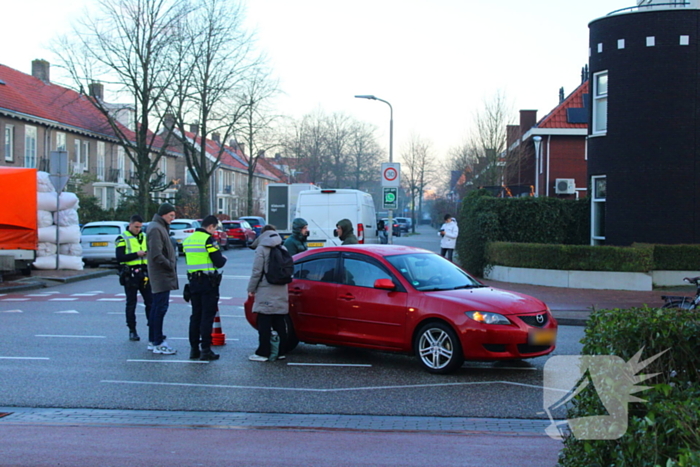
<point>220,236</point>
<point>404,299</point>
<point>239,232</point>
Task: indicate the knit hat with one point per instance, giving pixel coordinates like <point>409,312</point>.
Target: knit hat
<point>298,224</point>
<point>165,208</point>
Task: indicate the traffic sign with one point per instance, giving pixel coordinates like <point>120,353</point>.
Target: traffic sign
<point>391,174</point>
<point>390,198</point>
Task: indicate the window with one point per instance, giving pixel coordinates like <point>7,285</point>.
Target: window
<point>60,141</point>
<point>189,179</point>
<point>599,184</point>
<point>76,159</point>
<point>121,165</point>
<point>164,167</point>
<point>319,270</point>
<point>9,143</point>
<point>30,146</point>
<point>362,273</point>
<point>85,153</point>
<point>600,103</point>
<point>100,160</point>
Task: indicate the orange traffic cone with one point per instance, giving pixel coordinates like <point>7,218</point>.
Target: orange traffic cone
<point>217,337</point>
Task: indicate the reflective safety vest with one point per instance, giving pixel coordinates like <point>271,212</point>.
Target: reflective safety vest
<point>197,253</point>
<point>133,245</point>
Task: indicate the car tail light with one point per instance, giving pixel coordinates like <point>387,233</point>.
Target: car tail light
<point>361,233</point>
<point>257,226</point>
<point>188,230</point>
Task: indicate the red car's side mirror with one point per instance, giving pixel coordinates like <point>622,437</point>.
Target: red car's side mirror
<point>386,284</point>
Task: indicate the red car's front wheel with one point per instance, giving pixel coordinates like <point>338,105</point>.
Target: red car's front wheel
<point>438,348</point>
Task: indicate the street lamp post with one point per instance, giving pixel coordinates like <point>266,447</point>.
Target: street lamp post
<point>391,153</point>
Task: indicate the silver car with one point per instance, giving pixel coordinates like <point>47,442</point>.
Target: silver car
<point>97,240</point>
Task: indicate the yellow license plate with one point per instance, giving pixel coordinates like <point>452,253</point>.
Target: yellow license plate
<point>542,337</point>
<point>99,244</point>
<point>179,240</point>
<point>315,244</point>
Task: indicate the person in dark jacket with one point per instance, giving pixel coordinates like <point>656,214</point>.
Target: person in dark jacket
<point>296,243</point>
<point>346,233</point>
<point>203,258</point>
<point>133,273</point>
<point>162,262</point>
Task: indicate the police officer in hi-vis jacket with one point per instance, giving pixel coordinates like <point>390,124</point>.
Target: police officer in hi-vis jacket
<point>203,259</point>
<point>133,273</point>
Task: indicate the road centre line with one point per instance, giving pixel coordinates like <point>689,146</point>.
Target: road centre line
<point>359,365</point>
<point>24,358</point>
<point>62,299</point>
<point>321,390</point>
<point>166,361</point>
<point>68,336</point>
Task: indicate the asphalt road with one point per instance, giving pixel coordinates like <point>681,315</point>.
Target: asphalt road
<point>67,346</point>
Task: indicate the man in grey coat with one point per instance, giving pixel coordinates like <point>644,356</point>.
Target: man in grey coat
<point>271,301</point>
<point>162,268</point>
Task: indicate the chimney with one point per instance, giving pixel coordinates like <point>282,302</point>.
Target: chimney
<point>216,137</point>
<point>241,147</point>
<point>97,91</point>
<point>194,128</point>
<point>169,121</point>
<point>512,134</point>
<point>261,154</point>
<point>528,119</point>
<point>561,94</point>
<point>41,70</point>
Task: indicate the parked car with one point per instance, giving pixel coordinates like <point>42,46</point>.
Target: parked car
<point>256,222</point>
<point>404,223</point>
<point>183,228</point>
<point>239,232</point>
<point>219,235</point>
<point>395,228</point>
<point>98,241</point>
<point>409,300</point>
<point>144,229</point>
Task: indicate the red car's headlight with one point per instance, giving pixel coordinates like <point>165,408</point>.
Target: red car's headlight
<point>487,317</point>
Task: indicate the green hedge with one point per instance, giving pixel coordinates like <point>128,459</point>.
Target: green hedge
<point>570,257</point>
<point>638,258</point>
<point>484,219</point>
<point>664,430</point>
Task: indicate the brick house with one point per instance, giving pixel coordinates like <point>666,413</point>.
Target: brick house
<point>37,117</point>
<point>548,157</point>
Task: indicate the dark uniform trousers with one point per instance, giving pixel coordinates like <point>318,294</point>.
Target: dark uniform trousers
<point>204,299</point>
<point>131,290</point>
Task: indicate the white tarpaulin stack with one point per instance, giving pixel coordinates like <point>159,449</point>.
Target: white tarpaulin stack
<point>59,232</point>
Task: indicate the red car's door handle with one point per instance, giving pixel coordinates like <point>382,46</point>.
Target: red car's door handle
<point>295,291</point>
<point>347,296</point>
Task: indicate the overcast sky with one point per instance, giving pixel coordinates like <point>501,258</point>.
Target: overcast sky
<point>435,61</point>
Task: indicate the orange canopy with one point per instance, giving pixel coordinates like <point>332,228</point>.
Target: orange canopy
<point>18,209</point>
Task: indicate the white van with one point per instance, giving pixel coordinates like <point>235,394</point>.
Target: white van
<point>323,209</point>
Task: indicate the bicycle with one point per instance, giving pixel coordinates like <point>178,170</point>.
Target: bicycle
<point>686,303</point>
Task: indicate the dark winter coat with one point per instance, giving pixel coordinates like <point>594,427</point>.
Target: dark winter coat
<point>296,243</point>
<point>348,236</point>
<point>162,257</point>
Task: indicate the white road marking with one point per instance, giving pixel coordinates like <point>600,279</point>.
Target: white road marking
<point>361,388</point>
<point>225,298</point>
<point>68,336</point>
<point>14,299</point>
<point>359,365</point>
<point>24,358</point>
<point>231,316</point>
<point>13,311</point>
<point>83,294</point>
<point>45,294</point>
<point>62,299</point>
<point>530,368</point>
<point>110,299</point>
<point>167,361</point>
<point>67,312</point>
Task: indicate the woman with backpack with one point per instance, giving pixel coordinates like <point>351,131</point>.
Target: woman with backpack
<point>271,301</point>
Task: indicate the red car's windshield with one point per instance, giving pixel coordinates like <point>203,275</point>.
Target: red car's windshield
<point>427,272</point>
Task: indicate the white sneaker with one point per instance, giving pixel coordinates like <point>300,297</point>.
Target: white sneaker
<point>164,349</point>
<point>281,357</point>
<point>151,346</point>
<point>257,358</point>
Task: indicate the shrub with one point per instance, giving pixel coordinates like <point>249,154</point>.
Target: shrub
<point>570,257</point>
<point>676,257</point>
<point>662,431</point>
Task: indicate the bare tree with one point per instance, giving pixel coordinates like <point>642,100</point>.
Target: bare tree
<point>255,127</point>
<point>214,66</point>
<point>488,139</point>
<point>306,141</point>
<point>363,160</point>
<point>417,170</point>
<point>127,43</point>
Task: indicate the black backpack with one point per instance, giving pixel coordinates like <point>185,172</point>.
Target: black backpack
<point>281,266</point>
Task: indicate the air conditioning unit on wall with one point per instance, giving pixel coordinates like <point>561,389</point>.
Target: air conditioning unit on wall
<point>565,186</point>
